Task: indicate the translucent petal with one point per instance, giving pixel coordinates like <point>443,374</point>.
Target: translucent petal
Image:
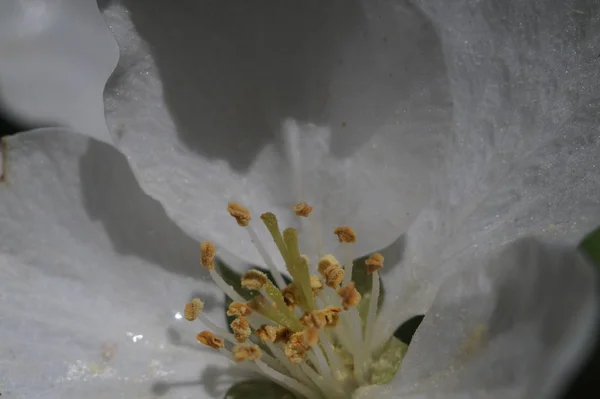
<point>523,154</point>
<point>56,58</point>
<point>202,90</point>
<point>516,324</point>
<point>93,277</point>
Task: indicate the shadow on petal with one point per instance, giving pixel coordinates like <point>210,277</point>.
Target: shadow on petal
<point>215,380</point>
<point>235,69</point>
<point>136,224</point>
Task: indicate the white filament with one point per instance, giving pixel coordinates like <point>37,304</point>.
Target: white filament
<point>266,258</point>
<point>226,288</point>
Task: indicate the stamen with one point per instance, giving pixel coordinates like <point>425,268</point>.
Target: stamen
<point>193,309</point>
<point>316,285</point>
<point>240,309</point>
<point>246,352</point>
<point>314,319</point>
<point>240,213</point>
<point>207,255</point>
<point>345,234</point>
<point>254,280</point>
<point>311,336</point>
<point>350,295</point>
<point>296,348</point>
<point>374,263</point>
<point>267,333</point>
<point>331,270</point>
<point>286,381</point>
<point>266,257</point>
<point>257,280</point>
<point>241,329</point>
<point>211,340</point>
<point>302,209</point>
<point>331,314</point>
<point>372,312</point>
<point>226,288</point>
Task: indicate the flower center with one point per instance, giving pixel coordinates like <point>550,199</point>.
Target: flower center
<point>308,335</point>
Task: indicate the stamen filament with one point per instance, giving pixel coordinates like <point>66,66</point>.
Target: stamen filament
<point>286,381</point>
<point>359,364</point>
<point>216,329</point>
<point>372,312</point>
<point>266,257</point>
<point>226,288</point>
<point>348,254</point>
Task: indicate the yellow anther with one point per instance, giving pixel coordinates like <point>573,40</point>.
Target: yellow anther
<point>345,234</point>
<point>241,329</point>
<point>315,319</point>
<point>267,333</point>
<point>240,213</point>
<point>331,315</point>
<point>291,296</point>
<point>209,339</point>
<point>350,296</point>
<point>254,280</point>
<point>193,309</point>
<point>374,263</point>
<point>239,309</point>
<point>311,336</point>
<point>316,285</point>
<point>331,270</point>
<point>207,254</point>
<point>246,352</point>
<point>282,334</point>
<point>295,349</point>
<point>302,209</point>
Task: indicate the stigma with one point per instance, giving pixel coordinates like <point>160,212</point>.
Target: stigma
<point>307,335</point>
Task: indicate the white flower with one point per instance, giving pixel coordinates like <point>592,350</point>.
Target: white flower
<point>377,135</point>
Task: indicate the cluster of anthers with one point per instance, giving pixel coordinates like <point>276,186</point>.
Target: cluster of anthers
<point>306,335</point>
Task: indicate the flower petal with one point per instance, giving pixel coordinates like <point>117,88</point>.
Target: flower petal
<point>517,324</point>
<point>93,276</point>
<point>523,155</point>
<point>56,59</point>
<point>202,90</point>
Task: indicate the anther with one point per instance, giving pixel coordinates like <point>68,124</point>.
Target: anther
<point>193,309</point>
<point>267,333</point>
<point>296,349</point>
<point>331,315</point>
<point>374,263</point>
<point>345,234</point>
<point>314,319</point>
<point>302,209</point>
<point>240,213</point>
<point>331,270</point>
<point>350,295</point>
<point>311,336</point>
<point>241,329</point>
<point>211,340</point>
<point>246,352</point>
<point>207,255</point>
<point>316,285</point>
<point>240,309</point>
<point>254,280</point>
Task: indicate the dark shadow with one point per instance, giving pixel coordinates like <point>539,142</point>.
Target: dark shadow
<point>215,380</point>
<point>9,125</point>
<point>393,253</point>
<point>136,224</point>
<point>233,72</point>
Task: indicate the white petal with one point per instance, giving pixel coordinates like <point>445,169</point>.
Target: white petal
<point>92,267</point>
<point>523,155</point>
<point>56,58</point>
<point>515,325</point>
<point>202,89</point>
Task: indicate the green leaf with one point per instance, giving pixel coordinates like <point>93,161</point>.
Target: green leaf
<point>591,245</point>
<point>258,389</point>
<point>388,362</point>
